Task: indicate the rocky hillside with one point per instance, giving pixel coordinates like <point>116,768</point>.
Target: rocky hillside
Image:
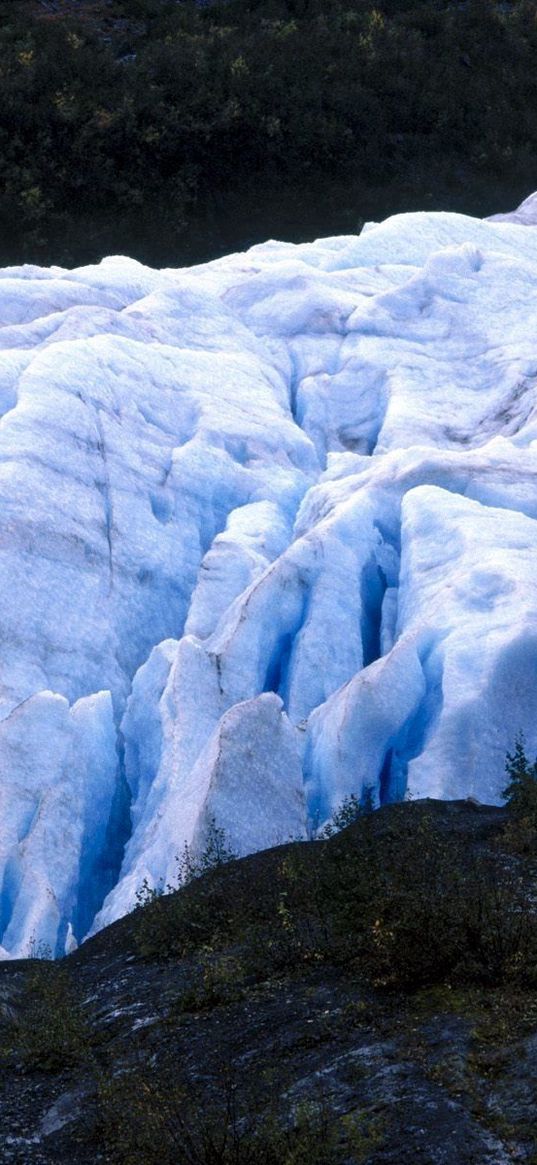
<point>367,1000</point>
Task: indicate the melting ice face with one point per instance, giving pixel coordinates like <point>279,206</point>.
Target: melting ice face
<point>268,529</point>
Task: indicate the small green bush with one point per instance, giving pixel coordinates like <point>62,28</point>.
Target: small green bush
<point>407,908</point>
<point>50,1032</point>
<point>350,810</point>
<point>150,1120</point>
<point>216,852</point>
<point>170,924</point>
<point>397,897</point>
<point>218,979</point>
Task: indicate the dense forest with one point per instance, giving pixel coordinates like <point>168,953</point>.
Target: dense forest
<point>177,131</point>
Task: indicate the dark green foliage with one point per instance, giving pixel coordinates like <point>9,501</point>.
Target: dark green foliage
<point>520,834</point>
<point>217,978</point>
<point>173,131</point>
<point>190,865</point>
<point>295,983</point>
<point>403,905</point>
<point>398,903</point>
<point>521,790</point>
<point>412,907</point>
<point>194,917</point>
<point>216,852</point>
<point>150,1119</point>
<point>200,915</point>
<point>50,1031</point>
<point>350,810</point>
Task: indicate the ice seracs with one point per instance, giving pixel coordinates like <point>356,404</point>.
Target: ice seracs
<point>267,535</point>
<point>478,644</point>
<point>60,798</point>
<point>252,760</point>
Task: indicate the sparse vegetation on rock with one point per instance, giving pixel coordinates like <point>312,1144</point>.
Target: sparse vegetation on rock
<point>331,1002</point>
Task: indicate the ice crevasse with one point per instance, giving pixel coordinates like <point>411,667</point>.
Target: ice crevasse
<point>268,534</point>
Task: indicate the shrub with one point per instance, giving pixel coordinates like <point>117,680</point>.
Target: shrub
<point>398,898</point>
<point>167,923</point>
<point>350,810</point>
<point>50,1032</point>
<point>218,979</point>
<point>408,907</point>
<point>150,1119</point>
<point>216,852</point>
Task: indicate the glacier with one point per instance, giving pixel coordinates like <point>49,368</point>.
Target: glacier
<point>268,533</point>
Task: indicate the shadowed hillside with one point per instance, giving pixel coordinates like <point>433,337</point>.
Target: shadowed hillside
<point>369,999</point>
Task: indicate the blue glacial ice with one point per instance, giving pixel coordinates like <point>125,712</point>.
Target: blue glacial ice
<point>267,535</point>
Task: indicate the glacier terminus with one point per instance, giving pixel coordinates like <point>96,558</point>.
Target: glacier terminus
<point>268,540</point>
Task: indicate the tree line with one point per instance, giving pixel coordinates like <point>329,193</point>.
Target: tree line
<point>176,131</point>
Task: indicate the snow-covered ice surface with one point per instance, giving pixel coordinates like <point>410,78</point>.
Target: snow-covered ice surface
<point>268,537</point>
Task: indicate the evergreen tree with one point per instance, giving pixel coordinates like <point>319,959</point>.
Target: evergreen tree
<point>521,790</point>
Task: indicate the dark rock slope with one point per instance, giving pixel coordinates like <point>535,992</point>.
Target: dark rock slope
<point>307,1004</point>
